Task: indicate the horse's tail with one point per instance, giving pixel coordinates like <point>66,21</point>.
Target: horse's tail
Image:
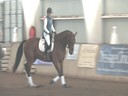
<point>18,56</point>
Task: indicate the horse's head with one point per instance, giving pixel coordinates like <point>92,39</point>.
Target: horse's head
<point>71,41</point>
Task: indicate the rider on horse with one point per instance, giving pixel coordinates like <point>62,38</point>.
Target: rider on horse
<point>48,30</point>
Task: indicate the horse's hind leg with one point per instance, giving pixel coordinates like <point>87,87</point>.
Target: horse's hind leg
<point>30,81</point>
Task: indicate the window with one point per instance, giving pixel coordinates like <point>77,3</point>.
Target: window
<point>13,17</point>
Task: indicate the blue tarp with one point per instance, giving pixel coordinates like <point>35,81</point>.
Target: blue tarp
<point>113,60</point>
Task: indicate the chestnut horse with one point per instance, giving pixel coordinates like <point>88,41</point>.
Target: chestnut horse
<point>32,52</point>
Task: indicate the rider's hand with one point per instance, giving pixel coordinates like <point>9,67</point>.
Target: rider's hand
<point>50,33</point>
<point>54,33</point>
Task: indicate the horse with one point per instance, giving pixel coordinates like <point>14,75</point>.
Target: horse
<point>62,40</point>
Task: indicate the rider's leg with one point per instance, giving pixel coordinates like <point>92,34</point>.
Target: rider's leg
<point>47,39</point>
<point>46,47</point>
<point>50,42</point>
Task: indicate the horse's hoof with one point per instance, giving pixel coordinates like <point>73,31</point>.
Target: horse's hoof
<point>51,82</point>
<point>66,86</point>
<point>35,86</point>
<point>38,86</point>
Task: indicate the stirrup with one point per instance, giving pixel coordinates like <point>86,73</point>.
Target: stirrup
<point>48,51</point>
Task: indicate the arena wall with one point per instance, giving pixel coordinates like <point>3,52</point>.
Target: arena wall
<point>71,68</point>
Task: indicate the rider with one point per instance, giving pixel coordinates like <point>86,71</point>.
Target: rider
<point>48,30</point>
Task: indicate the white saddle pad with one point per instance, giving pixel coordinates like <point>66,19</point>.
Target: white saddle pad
<point>41,45</point>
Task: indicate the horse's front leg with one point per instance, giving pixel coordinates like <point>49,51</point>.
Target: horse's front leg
<point>59,68</point>
<point>58,71</point>
<point>30,80</point>
<point>63,82</point>
<point>54,79</point>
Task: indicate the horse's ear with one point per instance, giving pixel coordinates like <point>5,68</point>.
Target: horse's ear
<point>75,34</point>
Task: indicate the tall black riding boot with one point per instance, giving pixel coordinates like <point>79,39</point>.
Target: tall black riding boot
<point>46,48</point>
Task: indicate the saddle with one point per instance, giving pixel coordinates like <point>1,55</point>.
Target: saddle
<point>42,45</point>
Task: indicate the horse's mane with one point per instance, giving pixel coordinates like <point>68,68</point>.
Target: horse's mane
<point>63,34</point>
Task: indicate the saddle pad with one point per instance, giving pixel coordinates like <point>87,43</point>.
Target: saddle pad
<point>42,45</point>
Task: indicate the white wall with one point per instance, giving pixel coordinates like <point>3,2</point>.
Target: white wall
<point>92,13</point>
<point>30,9</point>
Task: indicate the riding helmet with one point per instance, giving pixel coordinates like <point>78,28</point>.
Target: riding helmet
<point>49,10</point>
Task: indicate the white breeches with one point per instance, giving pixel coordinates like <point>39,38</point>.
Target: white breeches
<point>47,38</point>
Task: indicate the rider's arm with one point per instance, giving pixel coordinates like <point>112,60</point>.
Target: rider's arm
<point>45,25</point>
<point>53,29</point>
